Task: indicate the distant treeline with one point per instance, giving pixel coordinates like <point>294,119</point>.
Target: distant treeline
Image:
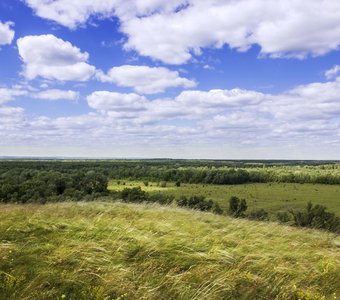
<point>191,171</point>
<point>225,175</point>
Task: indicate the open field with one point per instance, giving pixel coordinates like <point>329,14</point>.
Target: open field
<point>123,251</point>
<point>272,197</point>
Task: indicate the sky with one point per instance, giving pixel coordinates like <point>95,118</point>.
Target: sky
<point>215,79</point>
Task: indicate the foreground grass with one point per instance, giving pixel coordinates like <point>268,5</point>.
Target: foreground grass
<point>123,251</point>
<point>272,197</point>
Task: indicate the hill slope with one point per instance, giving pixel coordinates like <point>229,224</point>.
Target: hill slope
<point>124,251</point>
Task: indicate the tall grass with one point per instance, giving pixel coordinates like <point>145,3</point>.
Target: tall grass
<point>124,251</point>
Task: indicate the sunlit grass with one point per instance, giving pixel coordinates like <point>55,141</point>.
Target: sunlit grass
<point>272,197</point>
<point>123,251</point>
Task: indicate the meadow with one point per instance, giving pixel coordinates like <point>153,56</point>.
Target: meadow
<point>273,197</point>
<point>98,250</point>
<point>65,234</point>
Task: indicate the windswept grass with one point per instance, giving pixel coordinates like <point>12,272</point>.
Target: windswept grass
<point>272,197</point>
<point>123,251</point>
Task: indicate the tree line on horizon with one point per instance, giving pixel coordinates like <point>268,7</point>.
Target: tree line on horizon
<point>185,172</point>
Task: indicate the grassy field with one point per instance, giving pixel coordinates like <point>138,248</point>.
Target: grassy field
<point>272,197</point>
<point>122,251</point>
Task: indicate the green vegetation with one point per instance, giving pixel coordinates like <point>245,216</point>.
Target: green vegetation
<point>316,217</point>
<point>108,251</point>
<point>272,197</point>
<point>188,171</point>
<point>31,185</point>
<point>237,207</point>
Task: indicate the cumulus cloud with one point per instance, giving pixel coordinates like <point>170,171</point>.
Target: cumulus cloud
<point>331,73</point>
<point>220,98</point>
<point>307,114</point>
<point>6,33</point>
<point>55,94</point>
<point>303,111</point>
<point>172,31</point>
<point>52,58</point>
<point>281,28</point>
<point>314,101</point>
<point>8,94</point>
<point>73,13</point>
<point>119,102</point>
<point>145,80</point>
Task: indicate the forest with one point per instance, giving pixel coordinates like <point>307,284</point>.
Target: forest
<point>41,180</point>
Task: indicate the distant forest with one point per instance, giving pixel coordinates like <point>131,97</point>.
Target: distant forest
<point>30,180</point>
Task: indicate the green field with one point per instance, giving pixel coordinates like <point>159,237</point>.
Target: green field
<point>108,251</point>
<point>272,197</point>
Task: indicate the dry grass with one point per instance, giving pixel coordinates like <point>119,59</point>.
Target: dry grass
<point>123,251</point>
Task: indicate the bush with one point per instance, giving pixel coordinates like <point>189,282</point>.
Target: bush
<point>178,183</point>
<point>216,209</point>
<point>196,202</point>
<point>259,214</point>
<point>161,198</point>
<point>162,184</point>
<point>134,195</point>
<point>237,207</point>
<point>316,217</point>
<point>283,217</point>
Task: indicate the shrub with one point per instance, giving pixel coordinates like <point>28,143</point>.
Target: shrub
<point>216,209</point>
<point>237,207</point>
<point>196,202</point>
<point>283,217</point>
<point>316,217</point>
<point>134,195</point>
<point>178,183</point>
<point>161,198</point>
<point>259,214</point>
<point>162,184</point>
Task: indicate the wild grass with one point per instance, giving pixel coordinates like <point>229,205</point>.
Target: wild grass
<point>107,251</point>
<point>273,197</point>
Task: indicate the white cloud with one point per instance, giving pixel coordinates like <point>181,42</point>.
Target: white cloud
<point>208,67</point>
<point>281,28</point>
<point>6,33</point>
<point>314,101</point>
<point>111,101</point>
<point>12,120</point>
<point>171,31</point>
<point>145,80</point>
<point>8,94</point>
<point>220,98</point>
<point>247,120</point>
<point>331,73</point>
<point>52,58</point>
<point>71,13</point>
<point>55,94</point>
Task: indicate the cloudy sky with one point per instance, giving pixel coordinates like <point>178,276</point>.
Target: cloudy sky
<point>241,79</point>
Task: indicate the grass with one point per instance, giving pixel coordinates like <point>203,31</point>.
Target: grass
<point>272,197</point>
<point>102,250</point>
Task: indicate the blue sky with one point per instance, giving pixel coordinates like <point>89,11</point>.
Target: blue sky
<point>181,78</point>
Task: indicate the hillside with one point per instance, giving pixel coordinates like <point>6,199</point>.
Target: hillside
<point>123,251</point>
